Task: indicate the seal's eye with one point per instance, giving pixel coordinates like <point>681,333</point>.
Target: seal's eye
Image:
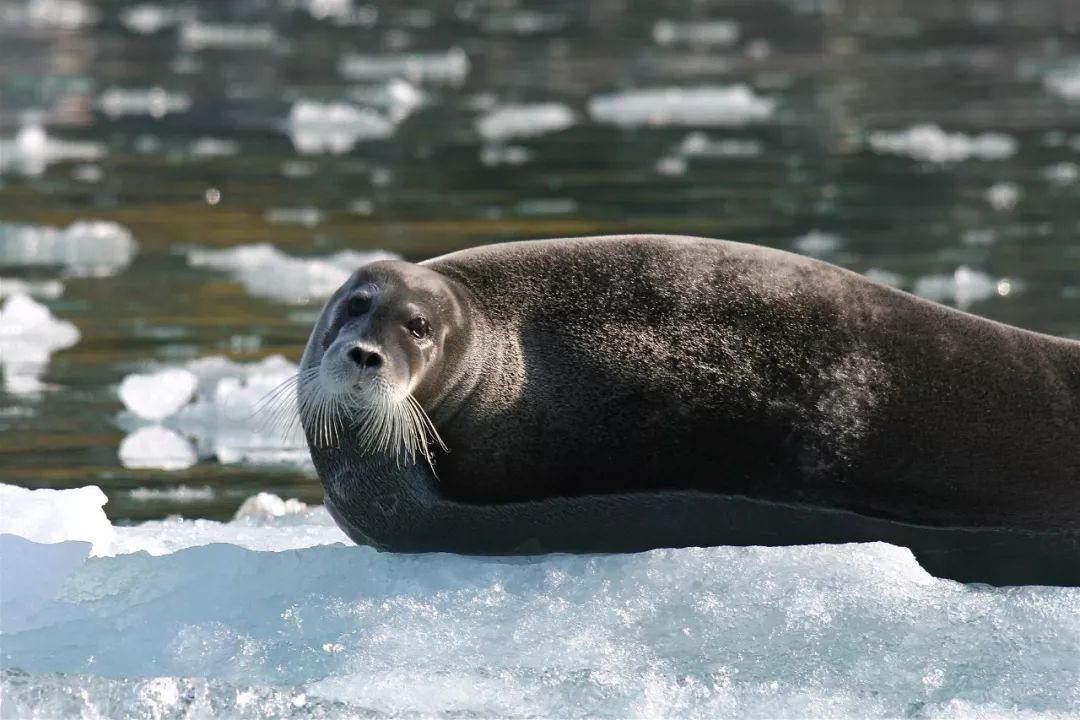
<point>358,304</point>
<point>419,327</point>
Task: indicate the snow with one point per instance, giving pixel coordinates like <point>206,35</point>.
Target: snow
<point>267,272</point>
<point>86,248</point>
<point>335,128</point>
<point>213,408</point>
<point>277,617</point>
<point>929,143</point>
<point>29,334</point>
<point>515,121</point>
<point>703,106</point>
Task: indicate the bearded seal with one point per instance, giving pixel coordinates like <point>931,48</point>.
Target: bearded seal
<point>624,393</point>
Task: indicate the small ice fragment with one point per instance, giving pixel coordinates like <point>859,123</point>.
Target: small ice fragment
<point>546,206</point>
<point>196,35</point>
<point>264,505</point>
<point>269,273</point>
<point>333,128</point>
<point>929,143</point>
<point>84,248</point>
<point>720,33</point>
<point>306,216</point>
<point>818,243</point>
<point>149,18</point>
<point>177,494</point>
<point>52,516</point>
<point>155,396</point>
<point>1003,196</point>
<point>209,147</point>
<point>710,105</point>
<point>698,144</point>
<point>156,102</point>
<point>49,289</point>
<point>157,448</point>
<point>447,68</point>
<point>1064,82</point>
<point>513,121</point>
<point>963,287</point>
<point>978,237</point>
<point>87,173</point>
<point>522,22</point>
<point>885,277</point>
<point>671,165</point>
<point>398,98</point>
<point>59,14</point>
<point>1063,173</point>
<point>495,155</point>
<point>32,151</point>
<point>29,334</point>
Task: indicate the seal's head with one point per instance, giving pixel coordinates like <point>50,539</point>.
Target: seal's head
<point>378,350</point>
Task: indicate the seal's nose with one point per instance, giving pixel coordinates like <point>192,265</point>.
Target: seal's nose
<point>365,358</point>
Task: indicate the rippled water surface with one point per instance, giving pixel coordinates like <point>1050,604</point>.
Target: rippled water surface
<point>934,143</point>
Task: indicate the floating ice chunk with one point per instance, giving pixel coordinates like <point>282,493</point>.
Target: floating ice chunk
<point>149,18</point>
<point>334,128</point>
<point>157,102</point>
<point>31,576</point>
<point>50,289</point>
<point>342,12</point>
<point>522,22</point>
<point>29,334</point>
<point>177,494</point>
<point>707,32</point>
<point>156,448</point>
<point>929,143</point>
<point>61,14</point>
<point>446,68</point>
<point>208,147</point>
<point>705,106</point>
<point>495,155</point>
<point>885,277</point>
<point>1003,196</point>
<point>818,243</point>
<point>1064,82</point>
<point>306,216</point>
<point>698,144</point>
<point>154,396</point>
<point>513,121</point>
<point>671,165</point>
<point>196,35</point>
<point>52,516</point>
<point>267,272</point>
<point>398,98</point>
<point>264,505</point>
<point>32,150</point>
<point>84,248</point>
<point>963,287</point>
<point>1063,173</point>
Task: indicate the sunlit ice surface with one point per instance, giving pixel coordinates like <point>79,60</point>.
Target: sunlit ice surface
<point>274,614</point>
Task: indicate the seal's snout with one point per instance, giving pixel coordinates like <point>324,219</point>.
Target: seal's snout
<point>365,358</point>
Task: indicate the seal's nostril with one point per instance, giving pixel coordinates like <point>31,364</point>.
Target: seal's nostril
<point>367,359</point>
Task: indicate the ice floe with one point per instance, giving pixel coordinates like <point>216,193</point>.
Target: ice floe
<point>233,414</point>
<point>29,335</point>
<point>87,248</point>
<point>446,68</point>
<point>157,102</point>
<point>717,33</point>
<point>267,272</point>
<point>930,143</point>
<point>703,106</point>
<point>515,121</point>
<point>33,150</point>
<point>335,127</point>
<point>52,516</point>
<point>282,621</point>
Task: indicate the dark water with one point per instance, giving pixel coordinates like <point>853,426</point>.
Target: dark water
<point>836,71</point>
